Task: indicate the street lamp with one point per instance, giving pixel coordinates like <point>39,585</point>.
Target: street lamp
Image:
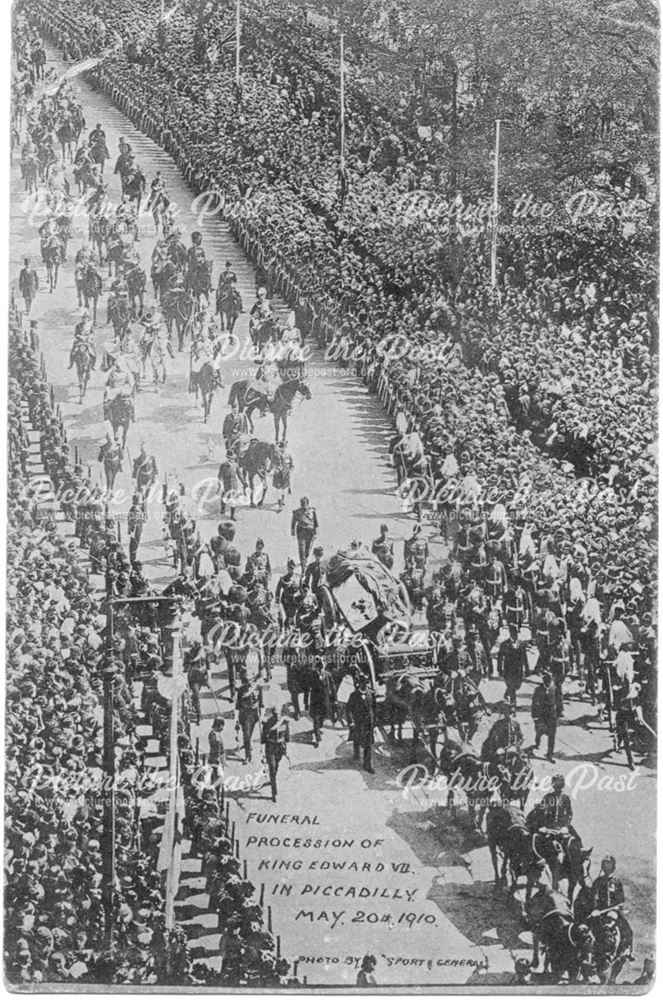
<point>109,674</point>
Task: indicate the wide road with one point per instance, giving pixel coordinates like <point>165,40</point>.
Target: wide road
<point>350,863</point>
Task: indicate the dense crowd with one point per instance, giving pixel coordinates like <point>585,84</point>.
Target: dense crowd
<point>539,392</point>
<point>550,380</point>
<point>58,653</point>
<point>55,664</point>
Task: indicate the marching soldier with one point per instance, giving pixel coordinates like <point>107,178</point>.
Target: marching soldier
<point>259,562</point>
<point>544,713</point>
<point>145,472</point>
<point>383,547</point>
<point>283,466</point>
<point>512,664</point>
<point>228,477</point>
<point>415,550</point>
<point>275,737</point>
<point>135,522</point>
<point>248,712</point>
<point>304,528</point>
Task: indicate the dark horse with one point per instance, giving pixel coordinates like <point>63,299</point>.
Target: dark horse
<point>258,459</point>
<point>91,285</point>
<point>507,832</point>
<point>572,864</point>
<point>569,946</point>
<point>249,399</point>
<point>120,412</point>
<point>473,777</point>
<point>614,941</point>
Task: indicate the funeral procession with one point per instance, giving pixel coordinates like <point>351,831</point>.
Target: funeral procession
<point>331,496</point>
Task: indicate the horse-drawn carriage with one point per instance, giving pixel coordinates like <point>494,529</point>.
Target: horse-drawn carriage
<point>360,600</point>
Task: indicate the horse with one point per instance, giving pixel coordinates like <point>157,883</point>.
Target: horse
<point>30,171</point>
<point>407,697</point>
<point>134,187</point>
<point>52,254</point>
<point>84,175</point>
<point>136,282</point>
<point>614,944</point>
<point>177,307</point>
<point>82,357</point>
<point>571,864</point>
<point>164,273</point>
<point>199,281</point>
<point>479,788</point>
<point>120,412</point>
<point>118,315</point>
<point>279,406</point>
<point>518,777</point>
<point>98,233</point>
<point>206,380</point>
<point>228,306</point>
<point>116,247</point>
<point>507,832</point>
<point>91,286</point>
<point>569,946</point>
<point>77,123</point>
<point>66,137</point>
<point>99,154</point>
<point>257,460</point>
<point>263,332</point>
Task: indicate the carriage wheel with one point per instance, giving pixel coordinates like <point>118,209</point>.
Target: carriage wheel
<point>329,613</point>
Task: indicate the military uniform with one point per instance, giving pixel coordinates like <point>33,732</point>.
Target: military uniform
<point>544,713</point>
<point>512,664</point>
<point>556,810</point>
<point>304,527</point>
<point>275,737</point>
<point>607,892</point>
<point>362,716</point>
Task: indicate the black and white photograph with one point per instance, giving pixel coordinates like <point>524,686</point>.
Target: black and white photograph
<point>332,481</point>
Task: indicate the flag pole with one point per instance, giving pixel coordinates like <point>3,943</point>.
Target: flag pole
<point>493,254</point>
<point>342,104</point>
<point>238,29</point>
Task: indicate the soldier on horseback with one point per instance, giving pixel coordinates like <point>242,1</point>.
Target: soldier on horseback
<point>503,735</point>
<point>83,340</point>
<point>234,425</point>
<point>261,313</point>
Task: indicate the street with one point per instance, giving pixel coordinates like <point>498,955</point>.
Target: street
<point>396,871</point>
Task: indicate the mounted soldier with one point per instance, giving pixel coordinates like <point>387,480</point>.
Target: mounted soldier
<point>83,340</point>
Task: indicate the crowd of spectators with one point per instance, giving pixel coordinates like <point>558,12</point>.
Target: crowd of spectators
<point>541,390</point>
<point>552,376</point>
<point>58,653</point>
<point>55,661</point>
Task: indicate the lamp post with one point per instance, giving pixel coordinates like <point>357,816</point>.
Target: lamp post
<point>108,760</point>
